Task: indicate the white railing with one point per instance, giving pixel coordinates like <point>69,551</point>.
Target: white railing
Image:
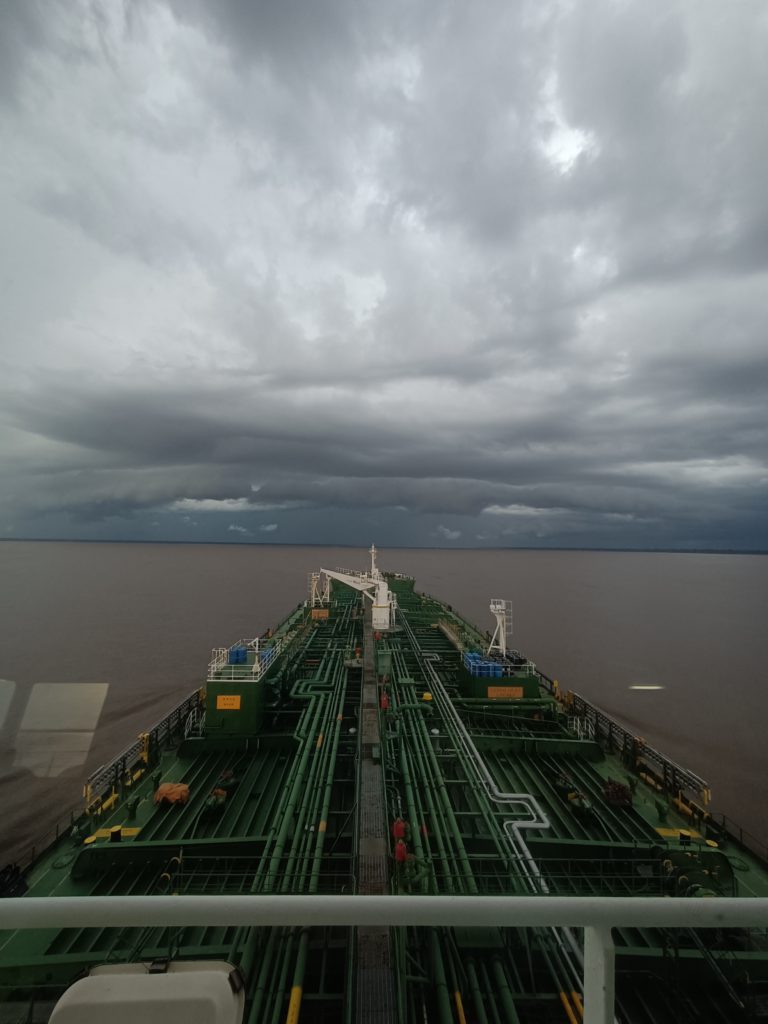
<point>584,728</point>
<point>264,652</point>
<point>596,916</point>
<point>219,659</point>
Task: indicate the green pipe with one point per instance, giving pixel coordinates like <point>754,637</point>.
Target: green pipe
<point>422,738</point>
<point>449,814</point>
<point>307,805</point>
<point>300,856</point>
<point>290,807</point>
<point>440,984</point>
<point>265,972</point>
<point>441,827</point>
<point>297,990</point>
<point>489,988</point>
<point>416,752</point>
<point>483,804</point>
<point>286,812</point>
<point>279,988</point>
<point>455,972</point>
<point>326,804</point>
<point>412,812</point>
<point>528,703</point>
<point>322,767</point>
<point>331,732</point>
<point>477,995</point>
<point>503,990</point>
<point>436,833</point>
<point>402,977</point>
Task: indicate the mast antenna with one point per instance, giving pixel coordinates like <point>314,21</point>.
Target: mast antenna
<point>502,635</point>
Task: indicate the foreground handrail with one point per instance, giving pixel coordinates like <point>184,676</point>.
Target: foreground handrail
<point>390,911</point>
<point>596,915</point>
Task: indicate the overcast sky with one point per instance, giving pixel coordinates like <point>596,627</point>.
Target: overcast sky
<point>421,273</point>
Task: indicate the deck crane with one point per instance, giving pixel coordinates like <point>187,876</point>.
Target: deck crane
<point>372,585</point>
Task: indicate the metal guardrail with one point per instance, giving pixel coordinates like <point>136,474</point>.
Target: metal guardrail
<point>608,731</point>
<point>672,776</point>
<point>106,778</point>
<point>741,835</point>
<point>675,777</point>
<point>107,775</point>
<point>264,653</point>
<point>595,915</point>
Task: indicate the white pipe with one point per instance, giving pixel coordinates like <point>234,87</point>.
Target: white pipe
<point>388,911</point>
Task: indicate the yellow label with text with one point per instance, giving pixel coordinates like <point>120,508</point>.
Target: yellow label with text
<point>228,702</point>
<point>505,692</point>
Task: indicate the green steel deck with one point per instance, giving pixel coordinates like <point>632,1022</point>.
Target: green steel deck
<point>312,799</point>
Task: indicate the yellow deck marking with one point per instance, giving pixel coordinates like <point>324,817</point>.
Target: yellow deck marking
<point>673,833</point>
<point>104,833</point>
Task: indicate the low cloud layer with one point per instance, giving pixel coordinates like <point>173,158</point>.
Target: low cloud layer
<point>431,275</point>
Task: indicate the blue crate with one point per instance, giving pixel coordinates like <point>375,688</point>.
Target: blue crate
<point>238,655</point>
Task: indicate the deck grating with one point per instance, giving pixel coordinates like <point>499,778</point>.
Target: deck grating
<point>375,975</point>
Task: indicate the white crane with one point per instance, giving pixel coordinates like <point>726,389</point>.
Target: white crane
<point>373,586</point>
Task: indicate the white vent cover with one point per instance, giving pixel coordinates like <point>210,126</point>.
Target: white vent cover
<point>193,992</point>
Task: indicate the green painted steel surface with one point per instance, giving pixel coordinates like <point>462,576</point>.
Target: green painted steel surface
<point>273,807</point>
<point>234,707</point>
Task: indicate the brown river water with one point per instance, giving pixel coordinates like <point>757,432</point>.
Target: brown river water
<point>99,641</point>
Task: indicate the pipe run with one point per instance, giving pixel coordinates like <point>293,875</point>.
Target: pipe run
<point>536,819</point>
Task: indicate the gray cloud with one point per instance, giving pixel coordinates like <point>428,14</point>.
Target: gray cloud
<point>496,273</point>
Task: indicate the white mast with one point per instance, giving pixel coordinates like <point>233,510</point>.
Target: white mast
<point>319,592</point>
<point>502,635</point>
<point>374,571</point>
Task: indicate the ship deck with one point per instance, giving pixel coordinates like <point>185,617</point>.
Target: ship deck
<point>359,734</point>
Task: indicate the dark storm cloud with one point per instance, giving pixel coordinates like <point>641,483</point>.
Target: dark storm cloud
<point>292,37</point>
<point>497,273</point>
<point>23,31</point>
